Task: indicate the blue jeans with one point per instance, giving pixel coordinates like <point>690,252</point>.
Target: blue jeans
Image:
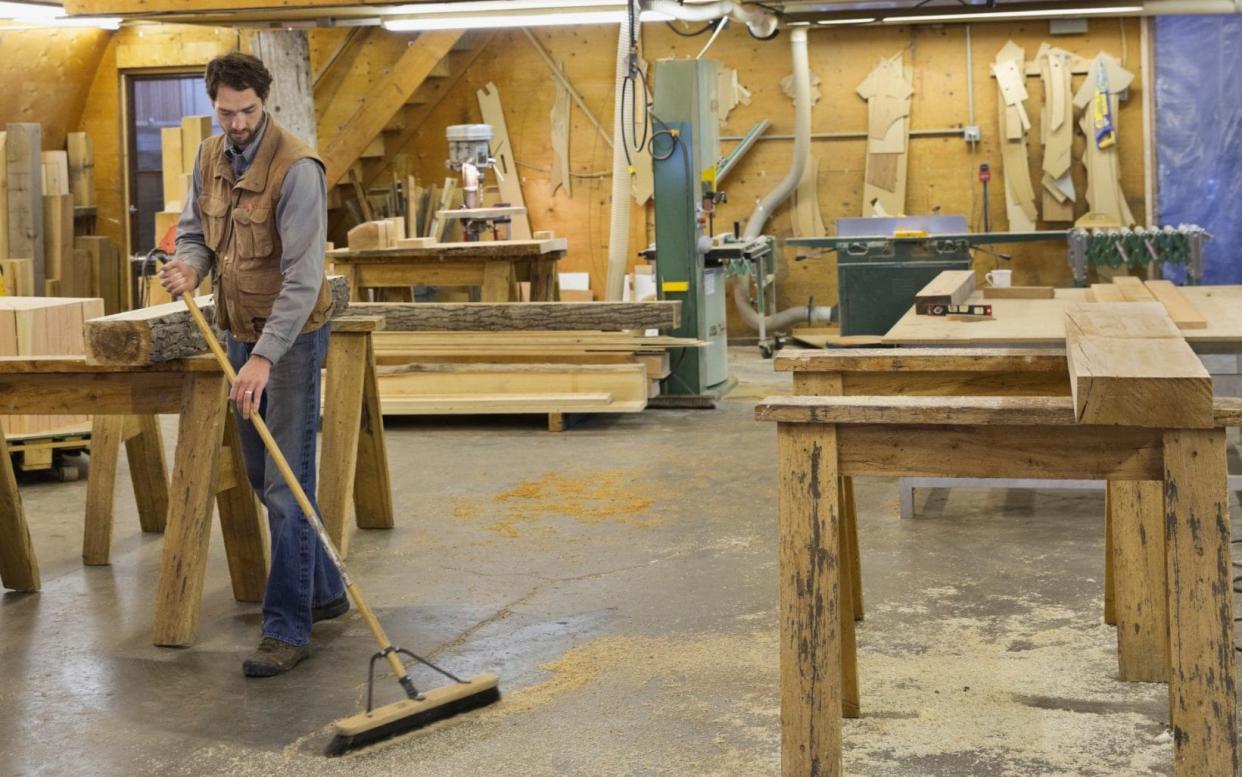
<point>301,575</point>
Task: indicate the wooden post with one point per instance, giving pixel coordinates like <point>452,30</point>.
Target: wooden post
<point>25,196</point>
<point>372,487</point>
<point>498,277</point>
<point>195,467</point>
<point>1140,605</point>
<point>1110,582</point>
<point>286,53</point>
<point>19,569</point>
<point>1202,690</point>
<point>851,557</point>
<point>342,412</point>
<point>144,447</point>
<point>810,601</point>
<point>241,523</point>
<point>106,434</point>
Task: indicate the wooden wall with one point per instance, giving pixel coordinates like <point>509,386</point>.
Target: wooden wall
<point>153,48</point>
<point>46,74</point>
<point>943,171</point>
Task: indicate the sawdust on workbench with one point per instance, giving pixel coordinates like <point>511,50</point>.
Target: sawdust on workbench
<point>590,498</point>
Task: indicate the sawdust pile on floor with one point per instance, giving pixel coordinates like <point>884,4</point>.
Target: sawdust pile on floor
<point>591,498</point>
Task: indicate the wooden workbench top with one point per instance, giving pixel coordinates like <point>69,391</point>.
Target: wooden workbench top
<point>1042,321</point>
<point>484,249</point>
<point>41,365</point>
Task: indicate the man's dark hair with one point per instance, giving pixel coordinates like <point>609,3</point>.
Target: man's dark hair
<point>237,71</point>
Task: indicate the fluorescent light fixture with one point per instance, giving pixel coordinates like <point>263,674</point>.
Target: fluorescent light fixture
<point>505,6</point>
<point>533,18</point>
<point>990,15</point>
<point>53,16</point>
<point>856,20</point>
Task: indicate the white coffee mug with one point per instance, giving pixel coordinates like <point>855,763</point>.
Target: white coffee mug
<point>1000,278</point>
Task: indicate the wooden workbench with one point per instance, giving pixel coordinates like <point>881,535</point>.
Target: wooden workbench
<point>1041,322</point>
<point>125,400</point>
<point>822,439</point>
<point>494,266</point>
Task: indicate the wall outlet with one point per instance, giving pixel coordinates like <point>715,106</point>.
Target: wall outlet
<point>972,133</point>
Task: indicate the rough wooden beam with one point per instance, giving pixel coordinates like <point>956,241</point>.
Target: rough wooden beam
<point>25,196</point>
<point>510,316</point>
<point>388,97</point>
<point>905,360</point>
<point>1129,365</point>
<point>163,332</point>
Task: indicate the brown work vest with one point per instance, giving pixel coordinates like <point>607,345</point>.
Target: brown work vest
<point>239,225</point>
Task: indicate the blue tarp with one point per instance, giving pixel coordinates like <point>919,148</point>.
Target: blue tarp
<point>1199,135</point>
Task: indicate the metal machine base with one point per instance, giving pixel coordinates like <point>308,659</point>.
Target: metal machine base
<point>705,401</point>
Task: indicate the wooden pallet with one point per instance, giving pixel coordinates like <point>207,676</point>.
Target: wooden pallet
<point>33,452</point>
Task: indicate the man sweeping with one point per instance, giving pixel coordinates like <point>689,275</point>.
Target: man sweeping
<point>257,215</point>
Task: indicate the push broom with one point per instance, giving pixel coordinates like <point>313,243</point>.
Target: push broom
<point>376,723</point>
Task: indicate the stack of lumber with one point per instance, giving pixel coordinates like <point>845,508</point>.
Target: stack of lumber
<point>44,326</point>
<point>1128,288</point>
<point>180,148</point>
<point>510,358</point>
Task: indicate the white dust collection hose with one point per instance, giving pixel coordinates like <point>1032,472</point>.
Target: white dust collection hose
<point>761,23</point>
<point>773,199</point>
<point>619,226</point>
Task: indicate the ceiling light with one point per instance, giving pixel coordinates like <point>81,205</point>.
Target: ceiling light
<point>989,15</point>
<point>857,20</point>
<point>506,6</point>
<point>546,18</point>
<point>53,16</point>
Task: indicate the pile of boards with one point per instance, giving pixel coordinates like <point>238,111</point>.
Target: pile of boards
<point>1129,288</point>
<point>505,358</point>
<point>44,326</point>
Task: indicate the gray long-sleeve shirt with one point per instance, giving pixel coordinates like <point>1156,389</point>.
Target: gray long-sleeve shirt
<point>302,219</point>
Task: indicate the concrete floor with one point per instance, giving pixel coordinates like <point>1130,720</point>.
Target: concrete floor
<point>621,579</point>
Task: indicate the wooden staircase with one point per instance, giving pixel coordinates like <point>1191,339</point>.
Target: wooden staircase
<point>377,90</point>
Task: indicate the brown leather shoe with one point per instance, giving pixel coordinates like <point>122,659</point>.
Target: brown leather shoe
<point>273,657</point>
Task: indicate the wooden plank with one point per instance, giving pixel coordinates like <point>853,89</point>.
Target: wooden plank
<point>488,249</point>
<point>1202,691</point>
<point>55,173</point>
<point>18,277</point>
<point>81,169</point>
<point>506,164</point>
<point>1136,515</point>
<point>162,332</point>
<point>511,316</point>
<point>194,130</point>
<point>810,601</point>
<point>4,197</point>
<point>1132,288</point>
<point>386,98</point>
<point>940,384</point>
<point>19,569</point>
<point>58,246</point>
<point>25,196</point>
<point>1099,452</point>
<point>1018,292</point>
<point>1130,366</point>
<point>905,360</point>
<point>172,172</point>
<point>934,410</point>
<point>1180,309</point>
<point>951,287</point>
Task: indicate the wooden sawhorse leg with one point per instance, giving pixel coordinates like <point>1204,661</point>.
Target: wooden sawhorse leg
<point>345,374</point>
<point>1138,579</point>
<point>499,282</point>
<point>372,485</point>
<point>241,521</point>
<point>19,569</point>
<point>811,600</point>
<point>195,469</point>
<point>1202,693</point>
<point>145,449</point>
